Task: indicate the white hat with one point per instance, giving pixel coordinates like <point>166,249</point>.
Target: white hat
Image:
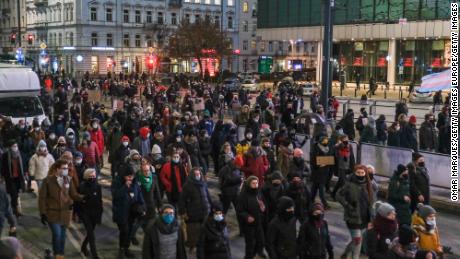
<point>156,149</point>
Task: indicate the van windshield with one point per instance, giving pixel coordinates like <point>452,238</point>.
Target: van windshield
<point>24,106</point>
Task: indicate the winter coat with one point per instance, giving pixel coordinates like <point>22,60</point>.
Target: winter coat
<point>214,241</point>
<point>166,177</point>
<point>57,202</point>
<point>151,248</point>
<point>427,240</point>
<point>297,166</point>
<point>394,138</point>
<point>271,159</point>
<point>114,142</point>
<point>125,201</point>
<point>282,238</point>
<point>348,125</point>
<point>302,200</point>
<point>196,159</point>
<point>427,136</point>
<point>368,135</point>
<point>397,189</point>
<point>319,174</point>
<point>120,156</point>
<point>283,161</point>
<point>354,199</point>
<point>398,251</point>
<point>381,130</point>
<point>251,203</point>
<point>419,180</point>
<point>98,137</point>
<point>205,146</point>
<point>344,161</point>
<point>255,163</point>
<point>230,179</point>
<point>378,244</point>
<point>314,240</point>
<point>91,208</point>
<point>7,173</point>
<point>91,154</point>
<point>152,197</point>
<point>195,200</point>
<point>409,136</point>
<point>271,195</point>
<point>39,165</point>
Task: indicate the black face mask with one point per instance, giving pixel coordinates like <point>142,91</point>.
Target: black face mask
<point>276,184</point>
<point>421,164</point>
<point>345,143</point>
<point>360,178</point>
<point>287,215</point>
<point>317,217</point>
<point>371,176</point>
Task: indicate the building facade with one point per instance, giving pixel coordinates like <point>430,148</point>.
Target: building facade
<point>117,35</point>
<point>12,25</point>
<point>397,41</point>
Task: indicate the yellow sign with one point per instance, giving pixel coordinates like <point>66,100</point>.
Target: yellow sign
<point>150,49</point>
<point>43,45</point>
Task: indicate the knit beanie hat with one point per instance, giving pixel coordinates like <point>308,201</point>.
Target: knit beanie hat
<point>156,149</point>
<point>412,119</point>
<point>124,138</point>
<point>41,143</point>
<point>9,248</point>
<point>318,206</point>
<point>217,206</point>
<point>425,210</point>
<point>276,176</point>
<point>284,203</point>
<point>166,206</point>
<point>132,153</point>
<point>78,154</point>
<point>385,209</point>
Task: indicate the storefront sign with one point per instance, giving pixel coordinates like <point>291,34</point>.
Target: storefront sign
<point>408,62</point>
<point>358,62</point>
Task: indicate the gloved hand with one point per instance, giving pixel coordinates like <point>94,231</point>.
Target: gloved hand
<point>44,219</point>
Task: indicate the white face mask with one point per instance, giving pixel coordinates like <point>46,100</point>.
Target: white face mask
<point>65,172</point>
<point>178,139</point>
<point>37,129</point>
<point>125,143</point>
<point>52,136</point>
<point>14,149</point>
<point>42,149</point>
<point>94,126</point>
<point>78,161</point>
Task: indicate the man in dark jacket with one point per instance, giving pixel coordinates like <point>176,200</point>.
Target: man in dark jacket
<point>409,134</point>
<point>299,192</point>
<point>401,108</point>
<point>320,174</point>
<point>428,134</point>
<point>13,171</point>
<point>272,191</point>
<point>214,240</point>
<point>230,178</point>
<point>121,153</point>
<point>163,237</point>
<point>314,240</point>
<point>282,233</point>
<point>399,195</point>
<point>194,205</point>
<point>348,124</point>
<point>251,210</point>
<point>344,161</point>
<point>419,180</point>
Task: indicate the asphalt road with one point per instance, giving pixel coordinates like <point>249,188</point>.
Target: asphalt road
<point>36,237</point>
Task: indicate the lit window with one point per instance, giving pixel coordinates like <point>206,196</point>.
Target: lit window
<point>207,1</point>
<point>94,64</point>
<point>245,7</point>
<point>253,44</point>
<point>217,2</point>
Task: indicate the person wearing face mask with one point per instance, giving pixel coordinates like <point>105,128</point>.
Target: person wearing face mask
<point>321,174</point>
<point>121,154</point>
<point>272,191</point>
<point>90,210</point>
<point>13,170</point>
<point>314,240</point>
<point>299,192</point>
<point>51,140</point>
<point>36,133</point>
<point>173,175</point>
<point>98,137</point>
<point>164,237</point>
<point>114,141</point>
<point>142,142</point>
<point>194,205</point>
<point>204,142</point>
<point>297,163</point>
<point>80,165</point>
<point>409,133</point>
<point>226,155</point>
<point>40,163</point>
<point>214,242</point>
<point>245,144</point>
<point>254,124</point>
<point>394,135</point>
<point>344,161</point>
<point>55,201</point>
<point>356,198</point>
<point>127,206</point>
<point>60,148</point>
<point>375,186</point>
<point>282,234</point>
<point>192,147</point>
<point>384,230</point>
<point>369,132</point>
<point>428,134</point>
<point>270,153</point>
<point>252,211</point>
<point>255,162</point>
<point>158,138</point>
<point>71,139</point>
<point>90,151</point>
<point>148,180</point>
<point>399,194</point>
<point>206,123</point>
<point>405,245</point>
<point>419,181</point>
<point>424,223</point>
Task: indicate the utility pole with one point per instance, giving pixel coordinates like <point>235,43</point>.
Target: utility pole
<point>327,53</point>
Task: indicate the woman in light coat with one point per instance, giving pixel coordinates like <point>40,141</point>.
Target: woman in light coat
<point>40,163</point>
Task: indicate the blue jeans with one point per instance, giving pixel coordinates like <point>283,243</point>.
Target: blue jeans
<point>355,244</point>
<point>58,238</point>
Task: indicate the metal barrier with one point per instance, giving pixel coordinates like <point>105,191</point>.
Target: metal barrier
<point>385,159</point>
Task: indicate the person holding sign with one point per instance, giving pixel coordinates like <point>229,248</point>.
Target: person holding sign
<point>321,160</point>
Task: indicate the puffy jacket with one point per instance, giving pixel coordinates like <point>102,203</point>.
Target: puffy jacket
<point>281,238</point>
<point>98,137</point>
<point>314,241</point>
<point>397,189</point>
<point>350,196</point>
<point>39,165</point>
<point>166,177</point>
<point>427,240</point>
<point>91,154</point>
<point>255,163</point>
<point>230,179</point>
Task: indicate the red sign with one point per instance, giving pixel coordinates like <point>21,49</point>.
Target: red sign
<point>436,62</point>
<point>408,62</point>
<point>358,62</point>
<point>236,51</point>
<point>382,62</point>
<point>208,51</point>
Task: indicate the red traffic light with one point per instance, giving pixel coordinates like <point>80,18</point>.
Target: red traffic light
<point>30,38</point>
<point>236,51</point>
<point>151,61</point>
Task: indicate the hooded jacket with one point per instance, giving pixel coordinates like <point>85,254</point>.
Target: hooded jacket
<point>195,200</point>
<point>428,239</point>
<point>214,240</point>
<point>40,163</point>
<point>255,163</point>
<point>157,230</point>
<point>251,203</point>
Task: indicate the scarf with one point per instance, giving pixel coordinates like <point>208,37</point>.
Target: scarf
<point>146,181</point>
<point>385,227</point>
<point>11,155</point>
<point>324,149</point>
<point>344,151</point>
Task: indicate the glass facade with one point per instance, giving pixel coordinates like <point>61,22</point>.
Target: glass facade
<point>417,58</point>
<point>291,13</point>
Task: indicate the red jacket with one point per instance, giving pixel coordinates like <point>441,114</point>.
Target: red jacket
<point>98,137</point>
<point>255,165</point>
<point>91,154</point>
<point>165,177</point>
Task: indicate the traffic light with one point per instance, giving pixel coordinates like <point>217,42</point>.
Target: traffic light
<point>30,39</point>
<point>150,62</point>
<point>13,38</point>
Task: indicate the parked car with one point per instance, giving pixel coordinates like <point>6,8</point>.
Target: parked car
<point>418,97</point>
<point>232,84</point>
<point>308,88</point>
<point>250,84</point>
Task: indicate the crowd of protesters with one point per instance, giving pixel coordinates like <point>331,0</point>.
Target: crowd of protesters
<point>162,142</point>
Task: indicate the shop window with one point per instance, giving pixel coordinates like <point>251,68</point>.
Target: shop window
<point>230,3</point>
<point>95,64</point>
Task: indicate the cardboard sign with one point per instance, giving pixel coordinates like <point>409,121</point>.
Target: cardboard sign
<point>325,160</point>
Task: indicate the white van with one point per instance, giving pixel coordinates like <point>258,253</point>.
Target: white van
<point>19,91</point>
